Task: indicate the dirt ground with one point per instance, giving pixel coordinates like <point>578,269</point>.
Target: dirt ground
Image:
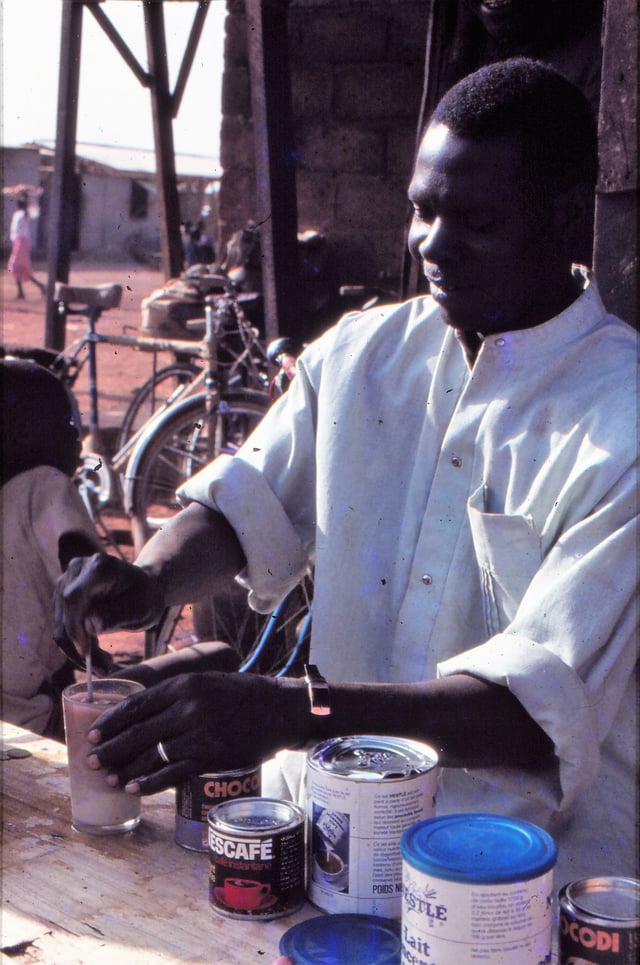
<point>120,370</point>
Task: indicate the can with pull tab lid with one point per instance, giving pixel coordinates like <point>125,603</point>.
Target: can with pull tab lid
<point>362,793</point>
<point>600,922</point>
<point>477,888</point>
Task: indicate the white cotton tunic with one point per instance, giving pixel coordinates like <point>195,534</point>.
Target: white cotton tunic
<point>468,520</point>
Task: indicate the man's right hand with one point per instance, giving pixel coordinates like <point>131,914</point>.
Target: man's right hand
<point>100,593</point>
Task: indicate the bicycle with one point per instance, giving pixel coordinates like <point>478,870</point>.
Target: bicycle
<point>100,478</point>
<point>240,356</point>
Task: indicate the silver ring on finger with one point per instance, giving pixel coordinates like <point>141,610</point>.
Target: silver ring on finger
<point>162,752</point>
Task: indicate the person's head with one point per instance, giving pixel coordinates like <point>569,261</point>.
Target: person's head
<point>39,423</point>
<point>21,204</point>
<point>529,21</point>
<point>503,193</point>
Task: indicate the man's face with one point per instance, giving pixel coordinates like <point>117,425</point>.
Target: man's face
<point>473,233</point>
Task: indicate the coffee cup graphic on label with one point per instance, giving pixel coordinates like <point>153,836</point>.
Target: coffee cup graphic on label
<point>329,869</point>
<point>244,893</point>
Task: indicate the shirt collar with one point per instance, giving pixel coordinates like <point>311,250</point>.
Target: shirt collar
<point>583,314</point>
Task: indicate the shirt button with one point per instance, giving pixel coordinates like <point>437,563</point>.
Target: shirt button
<point>500,342</point>
<point>456,462</point>
<point>426,579</point>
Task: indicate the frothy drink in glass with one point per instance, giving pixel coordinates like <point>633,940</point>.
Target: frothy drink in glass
<point>96,808</point>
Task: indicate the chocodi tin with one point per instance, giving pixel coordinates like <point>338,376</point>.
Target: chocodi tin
<point>196,796</point>
<point>256,858</point>
<point>600,922</point>
<point>362,793</point>
<point>477,888</point>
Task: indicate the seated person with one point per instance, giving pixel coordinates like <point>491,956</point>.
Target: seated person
<point>45,524</point>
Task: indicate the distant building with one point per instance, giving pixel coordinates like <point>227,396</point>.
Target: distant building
<point>115,199</point>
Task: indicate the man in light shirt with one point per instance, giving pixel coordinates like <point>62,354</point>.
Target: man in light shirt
<point>459,469</point>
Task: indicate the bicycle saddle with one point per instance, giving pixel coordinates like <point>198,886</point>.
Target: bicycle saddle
<point>94,296</point>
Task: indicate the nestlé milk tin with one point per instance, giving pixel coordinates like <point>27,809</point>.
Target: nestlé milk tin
<point>362,793</point>
<point>477,888</point>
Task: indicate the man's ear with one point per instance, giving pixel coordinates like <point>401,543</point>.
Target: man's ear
<point>573,218</point>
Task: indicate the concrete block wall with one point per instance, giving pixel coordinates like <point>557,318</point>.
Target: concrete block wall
<point>356,77</point>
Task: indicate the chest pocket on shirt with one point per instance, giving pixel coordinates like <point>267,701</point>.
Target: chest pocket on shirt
<point>509,553</point>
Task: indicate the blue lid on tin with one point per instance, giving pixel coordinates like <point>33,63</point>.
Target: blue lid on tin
<point>479,848</point>
<point>343,940</point>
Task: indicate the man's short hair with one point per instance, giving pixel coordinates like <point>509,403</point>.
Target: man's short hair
<point>534,102</point>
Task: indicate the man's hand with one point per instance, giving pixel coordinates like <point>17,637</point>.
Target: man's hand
<point>100,593</point>
<point>206,722</point>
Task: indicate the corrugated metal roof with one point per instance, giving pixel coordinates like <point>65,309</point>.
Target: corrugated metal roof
<point>142,161</point>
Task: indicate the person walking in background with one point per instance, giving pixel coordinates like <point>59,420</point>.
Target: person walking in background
<point>20,258</point>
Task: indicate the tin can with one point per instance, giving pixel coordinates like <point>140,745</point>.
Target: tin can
<point>600,922</point>
<point>477,888</point>
<point>362,793</point>
<point>257,858</point>
<point>196,797</point>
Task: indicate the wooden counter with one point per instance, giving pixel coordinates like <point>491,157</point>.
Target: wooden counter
<point>136,898</point>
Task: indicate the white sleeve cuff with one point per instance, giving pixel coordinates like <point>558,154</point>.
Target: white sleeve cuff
<point>553,694</point>
<point>276,560</point>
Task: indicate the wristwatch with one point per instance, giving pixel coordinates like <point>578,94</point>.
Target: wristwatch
<point>318,690</point>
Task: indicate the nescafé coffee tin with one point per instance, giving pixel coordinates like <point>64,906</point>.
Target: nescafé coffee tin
<point>196,797</point>
<point>362,793</point>
<point>477,888</point>
<point>257,858</point>
<point>600,922</point>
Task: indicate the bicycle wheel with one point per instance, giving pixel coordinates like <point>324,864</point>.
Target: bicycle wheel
<point>158,391</point>
<point>178,445</point>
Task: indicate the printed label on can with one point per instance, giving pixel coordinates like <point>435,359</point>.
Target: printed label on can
<point>453,923</point>
<point>256,858</point>
<point>477,888</point>
<point>589,938</point>
<point>195,797</point>
<point>362,793</point>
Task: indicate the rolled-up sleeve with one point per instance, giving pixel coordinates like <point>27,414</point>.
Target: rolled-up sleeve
<point>275,555</point>
<point>267,492</point>
<point>569,653</point>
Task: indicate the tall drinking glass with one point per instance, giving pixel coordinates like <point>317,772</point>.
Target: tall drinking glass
<point>96,808</point>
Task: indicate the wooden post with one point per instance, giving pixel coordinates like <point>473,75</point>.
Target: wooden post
<point>276,200</point>
<point>63,210</point>
<point>616,238</point>
<point>161,106</point>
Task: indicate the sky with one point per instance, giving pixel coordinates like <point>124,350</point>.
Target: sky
<point>113,107</point>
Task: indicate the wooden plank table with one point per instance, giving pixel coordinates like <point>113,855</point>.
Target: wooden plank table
<point>139,897</point>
